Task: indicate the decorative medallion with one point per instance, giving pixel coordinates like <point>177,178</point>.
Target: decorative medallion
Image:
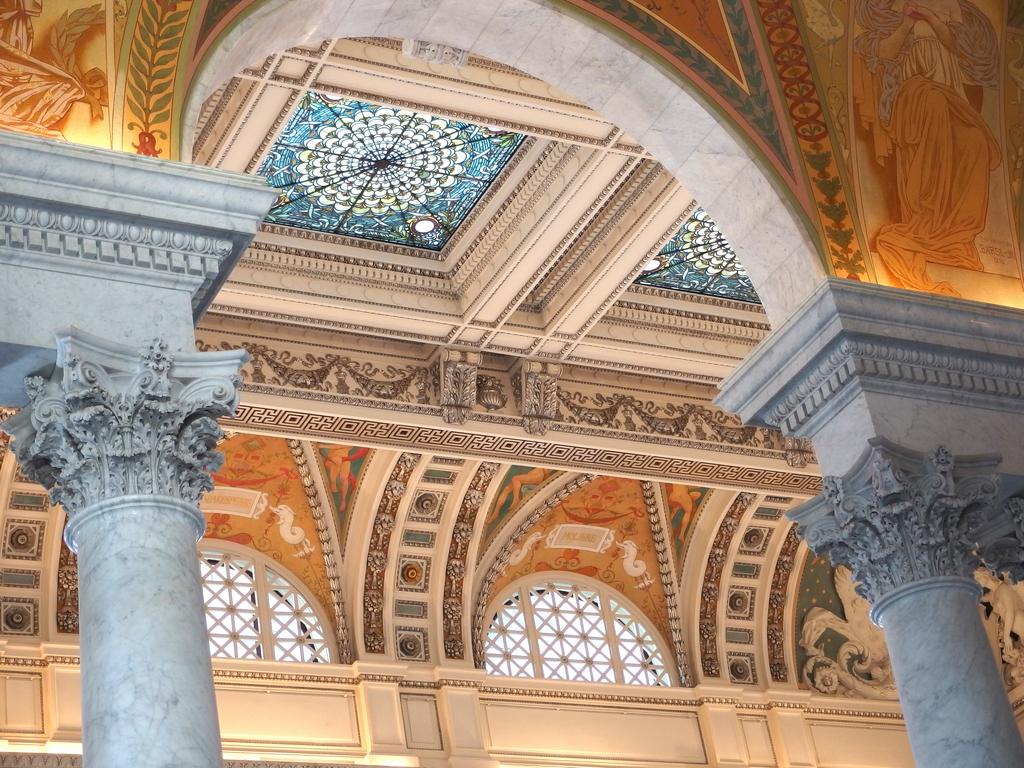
<point>381,173</point>
<point>698,259</point>
<point>23,539</point>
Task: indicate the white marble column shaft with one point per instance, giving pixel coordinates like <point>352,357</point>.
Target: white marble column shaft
<point>125,440</point>
<point>147,693</point>
<point>952,696</point>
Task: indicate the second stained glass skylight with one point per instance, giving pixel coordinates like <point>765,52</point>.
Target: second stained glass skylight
<point>382,173</point>
<point>698,259</point>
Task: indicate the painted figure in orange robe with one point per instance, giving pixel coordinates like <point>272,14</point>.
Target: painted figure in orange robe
<point>914,66</point>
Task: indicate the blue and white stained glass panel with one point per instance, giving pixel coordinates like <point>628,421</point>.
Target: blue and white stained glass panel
<point>698,259</point>
<point>381,173</point>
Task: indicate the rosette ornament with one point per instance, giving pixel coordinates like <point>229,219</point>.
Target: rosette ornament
<point>116,421</point>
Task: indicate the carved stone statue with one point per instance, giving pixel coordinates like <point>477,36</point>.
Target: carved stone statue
<point>861,666</point>
<point>1007,606</point>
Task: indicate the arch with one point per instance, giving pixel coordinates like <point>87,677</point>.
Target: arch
<point>727,175</point>
<point>260,599</point>
<point>633,651</point>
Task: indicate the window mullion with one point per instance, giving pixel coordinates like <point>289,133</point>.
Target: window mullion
<point>526,596</point>
<point>263,611</point>
<point>613,639</point>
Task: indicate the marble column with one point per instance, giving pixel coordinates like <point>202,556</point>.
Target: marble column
<point>908,526</point>
<point>124,439</point>
<point>915,406</point>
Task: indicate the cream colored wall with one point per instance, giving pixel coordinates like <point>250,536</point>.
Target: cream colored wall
<point>395,715</point>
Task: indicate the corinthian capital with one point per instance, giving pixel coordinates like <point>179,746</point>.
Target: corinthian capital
<point>115,421</point>
<point>900,516</point>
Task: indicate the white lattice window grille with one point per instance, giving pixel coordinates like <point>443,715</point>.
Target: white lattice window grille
<point>565,630</point>
<point>255,612</point>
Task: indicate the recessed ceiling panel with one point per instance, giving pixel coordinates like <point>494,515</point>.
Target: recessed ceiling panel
<point>698,259</point>
<point>382,173</point>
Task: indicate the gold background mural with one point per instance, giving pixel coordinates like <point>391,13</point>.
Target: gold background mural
<point>896,127</point>
<point>601,531</point>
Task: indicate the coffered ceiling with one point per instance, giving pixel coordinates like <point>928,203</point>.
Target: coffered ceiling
<point>536,256</point>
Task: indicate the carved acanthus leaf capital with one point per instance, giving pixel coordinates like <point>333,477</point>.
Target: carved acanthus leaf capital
<point>901,516</point>
<point>115,421</point>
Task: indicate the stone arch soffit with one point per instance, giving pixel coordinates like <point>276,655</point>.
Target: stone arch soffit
<point>725,173</point>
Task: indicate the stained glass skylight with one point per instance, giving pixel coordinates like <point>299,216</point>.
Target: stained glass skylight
<point>382,173</point>
<point>698,259</point>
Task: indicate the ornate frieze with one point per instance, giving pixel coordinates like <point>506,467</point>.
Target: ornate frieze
<point>365,431</point>
<point>334,373</point>
<point>114,421</point>
<point>676,418</point>
<point>377,556</point>
<point>901,516</point>
<point>458,551</point>
<point>316,506</point>
<point>668,582</point>
<point>775,631</point>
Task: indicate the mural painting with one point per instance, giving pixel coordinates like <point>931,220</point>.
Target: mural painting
<point>920,99</point>
<point>259,501</point>
<point>53,69</point>
<point>601,531</point>
<point>341,468</point>
<point>682,504</point>
<point>518,485</point>
<point>839,650</point>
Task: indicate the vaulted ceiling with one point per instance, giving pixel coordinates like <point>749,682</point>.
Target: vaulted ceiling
<point>539,246</point>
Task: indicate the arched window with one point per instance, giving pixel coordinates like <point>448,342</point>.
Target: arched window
<point>254,612</point>
<point>565,630</point>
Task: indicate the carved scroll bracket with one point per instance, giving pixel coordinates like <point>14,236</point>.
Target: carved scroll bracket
<point>459,372</point>
<point>539,395</point>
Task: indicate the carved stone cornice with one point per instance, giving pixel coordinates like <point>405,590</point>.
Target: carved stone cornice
<point>110,213</point>
<point>115,421</point>
<point>849,338</point>
<point>901,517</point>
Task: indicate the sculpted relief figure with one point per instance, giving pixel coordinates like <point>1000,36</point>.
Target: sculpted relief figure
<point>920,73</point>
<point>1006,602</point>
<point>861,665</point>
